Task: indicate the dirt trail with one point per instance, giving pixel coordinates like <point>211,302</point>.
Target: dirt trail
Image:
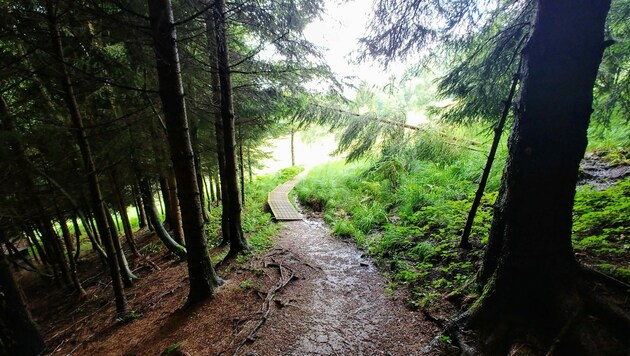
<point>338,304</point>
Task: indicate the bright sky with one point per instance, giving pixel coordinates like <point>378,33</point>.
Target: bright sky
<point>338,33</point>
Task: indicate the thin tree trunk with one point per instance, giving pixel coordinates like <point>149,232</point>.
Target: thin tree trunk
<point>203,279</point>
<point>176,213</point>
<point>125,272</point>
<point>21,336</point>
<point>222,194</point>
<point>86,154</point>
<point>241,167</point>
<point>73,266</point>
<point>232,204</point>
<point>498,130</point>
<point>123,215</point>
<point>77,237</point>
<point>154,218</point>
<point>140,208</point>
<point>209,193</point>
<point>166,202</point>
<point>57,250</point>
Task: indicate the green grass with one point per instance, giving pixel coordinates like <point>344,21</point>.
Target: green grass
<point>407,208</point>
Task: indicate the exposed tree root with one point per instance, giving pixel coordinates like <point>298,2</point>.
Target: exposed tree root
<point>266,307</point>
<point>605,278</point>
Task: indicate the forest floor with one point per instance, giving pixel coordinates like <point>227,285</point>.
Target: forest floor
<point>311,294</point>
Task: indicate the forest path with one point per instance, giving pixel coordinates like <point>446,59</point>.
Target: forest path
<point>337,305</point>
<point>279,203</point>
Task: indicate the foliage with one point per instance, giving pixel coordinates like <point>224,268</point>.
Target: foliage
<point>408,206</point>
<point>407,209</point>
<point>601,221</point>
<point>258,225</point>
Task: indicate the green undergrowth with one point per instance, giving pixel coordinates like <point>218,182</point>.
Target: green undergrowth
<point>257,222</point>
<point>611,142</point>
<point>407,209</point>
<point>601,227</point>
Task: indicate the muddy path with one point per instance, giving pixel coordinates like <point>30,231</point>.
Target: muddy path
<point>336,305</point>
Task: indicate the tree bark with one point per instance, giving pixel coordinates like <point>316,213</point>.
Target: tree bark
<point>73,266</point>
<point>241,168</point>
<point>530,274</point>
<point>218,124</point>
<point>166,201</point>
<point>232,204</point>
<point>86,155</point>
<point>176,213</point>
<point>122,209</point>
<point>77,237</point>
<point>202,277</point>
<point>125,272</point>
<point>18,333</point>
<point>149,204</point>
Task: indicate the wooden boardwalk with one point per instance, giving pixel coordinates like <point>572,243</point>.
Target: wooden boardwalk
<point>278,200</point>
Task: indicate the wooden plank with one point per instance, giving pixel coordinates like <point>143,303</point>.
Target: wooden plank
<point>279,203</point>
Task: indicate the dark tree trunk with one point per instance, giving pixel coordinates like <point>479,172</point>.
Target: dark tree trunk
<point>35,247</point>
<point>530,274</point>
<point>218,125</point>
<point>176,213</point>
<point>231,202</point>
<point>18,333</point>
<point>208,190</point>
<point>125,272</point>
<point>142,215</point>
<point>200,182</point>
<point>77,237</point>
<point>166,201</point>
<point>57,252</point>
<point>203,279</point>
<point>149,204</point>
<point>122,209</point>
<point>86,155</point>
<point>67,239</point>
<point>241,169</point>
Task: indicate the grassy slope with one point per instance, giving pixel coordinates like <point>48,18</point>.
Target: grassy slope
<point>408,210</point>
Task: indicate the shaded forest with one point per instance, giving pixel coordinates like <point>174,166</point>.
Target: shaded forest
<point>133,220</point>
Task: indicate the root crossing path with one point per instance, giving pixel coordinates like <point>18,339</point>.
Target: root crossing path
<point>337,303</point>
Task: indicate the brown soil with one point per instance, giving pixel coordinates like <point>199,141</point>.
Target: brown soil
<point>329,301</point>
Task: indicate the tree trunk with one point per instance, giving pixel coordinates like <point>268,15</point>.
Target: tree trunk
<point>125,272</point>
<point>202,277</point>
<point>77,237</point>
<point>149,204</point>
<point>232,204</point>
<point>200,183</point>
<point>176,213</point>
<point>166,201</point>
<point>122,208</point>
<point>142,215</point>
<point>530,274</point>
<point>18,333</point>
<point>218,124</point>
<point>57,252</point>
<point>498,131</point>
<point>209,193</point>
<point>241,168</point>
<point>86,155</point>
<point>73,266</point>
